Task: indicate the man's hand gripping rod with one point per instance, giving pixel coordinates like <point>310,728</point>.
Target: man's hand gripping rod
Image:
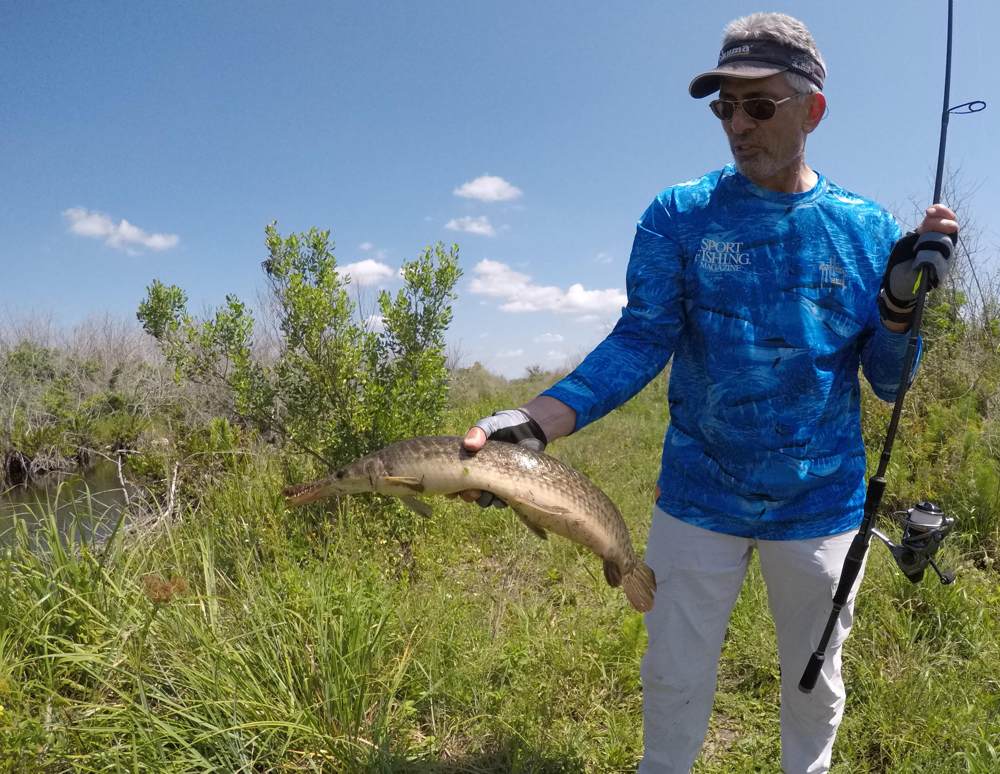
<point>917,549</point>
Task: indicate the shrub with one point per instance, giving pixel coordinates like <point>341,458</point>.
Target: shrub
<point>338,385</point>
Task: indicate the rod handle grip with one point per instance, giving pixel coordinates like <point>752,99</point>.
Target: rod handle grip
<point>811,673</point>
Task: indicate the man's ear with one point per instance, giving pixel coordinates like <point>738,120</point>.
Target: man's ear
<point>817,109</point>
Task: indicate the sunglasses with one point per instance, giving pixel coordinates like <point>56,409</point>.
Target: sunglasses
<point>758,108</point>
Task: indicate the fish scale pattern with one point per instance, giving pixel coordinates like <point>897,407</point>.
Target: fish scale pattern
<point>513,473</point>
<point>766,303</point>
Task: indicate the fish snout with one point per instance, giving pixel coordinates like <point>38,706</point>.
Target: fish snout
<point>338,484</point>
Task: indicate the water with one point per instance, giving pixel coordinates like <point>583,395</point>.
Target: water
<point>90,503</point>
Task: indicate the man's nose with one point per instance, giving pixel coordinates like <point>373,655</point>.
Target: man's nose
<point>741,122</point>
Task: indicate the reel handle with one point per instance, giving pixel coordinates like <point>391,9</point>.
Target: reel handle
<point>947,576</point>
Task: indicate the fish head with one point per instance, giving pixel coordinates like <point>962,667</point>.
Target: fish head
<point>359,476</point>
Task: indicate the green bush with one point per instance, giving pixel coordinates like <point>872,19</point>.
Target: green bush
<point>336,388</point>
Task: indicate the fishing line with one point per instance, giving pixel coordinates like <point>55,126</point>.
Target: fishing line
<point>965,108</point>
<point>924,525</point>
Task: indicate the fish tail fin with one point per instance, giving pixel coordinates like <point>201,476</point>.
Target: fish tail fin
<point>640,586</point>
<point>612,574</point>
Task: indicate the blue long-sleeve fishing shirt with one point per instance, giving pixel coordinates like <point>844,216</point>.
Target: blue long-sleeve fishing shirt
<point>767,303</point>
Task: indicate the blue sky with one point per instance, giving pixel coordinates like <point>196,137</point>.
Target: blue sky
<point>533,134</point>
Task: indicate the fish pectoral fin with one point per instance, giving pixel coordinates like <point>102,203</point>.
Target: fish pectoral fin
<point>537,530</point>
<point>416,484</point>
<point>417,506</point>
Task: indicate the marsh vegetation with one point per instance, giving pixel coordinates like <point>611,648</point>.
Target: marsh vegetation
<point>231,634</point>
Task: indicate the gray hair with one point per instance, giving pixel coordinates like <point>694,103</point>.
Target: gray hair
<point>781,28</point>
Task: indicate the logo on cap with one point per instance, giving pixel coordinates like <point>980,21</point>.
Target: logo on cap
<point>745,49</point>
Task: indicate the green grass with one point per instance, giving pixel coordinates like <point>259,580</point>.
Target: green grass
<point>360,638</point>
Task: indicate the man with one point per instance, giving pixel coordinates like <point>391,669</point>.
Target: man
<point>769,285</point>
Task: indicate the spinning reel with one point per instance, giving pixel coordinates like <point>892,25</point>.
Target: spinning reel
<point>924,529</point>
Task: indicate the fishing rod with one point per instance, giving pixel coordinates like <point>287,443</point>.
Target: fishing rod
<point>924,526</point>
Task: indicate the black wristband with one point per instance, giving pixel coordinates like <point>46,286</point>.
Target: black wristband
<point>889,314</point>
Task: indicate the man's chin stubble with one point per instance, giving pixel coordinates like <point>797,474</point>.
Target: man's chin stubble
<point>763,168</point>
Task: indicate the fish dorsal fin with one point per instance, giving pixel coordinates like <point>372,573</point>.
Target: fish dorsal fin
<point>410,482</point>
<point>417,506</point>
<point>537,530</point>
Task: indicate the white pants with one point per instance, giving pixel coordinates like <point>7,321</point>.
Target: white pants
<point>698,577</point>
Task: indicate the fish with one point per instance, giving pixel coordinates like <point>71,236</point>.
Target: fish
<point>545,493</point>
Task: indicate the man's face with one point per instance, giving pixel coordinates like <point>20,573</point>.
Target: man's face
<point>762,150</point>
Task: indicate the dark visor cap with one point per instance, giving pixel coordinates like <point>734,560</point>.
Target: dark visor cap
<point>757,59</point>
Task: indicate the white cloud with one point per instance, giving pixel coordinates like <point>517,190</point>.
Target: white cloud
<point>519,294</point>
<point>121,235</point>
<point>604,258</point>
<point>548,338</point>
<point>365,246</point>
<point>469,225</point>
<point>366,272</point>
<point>555,354</point>
<point>488,188</point>
<point>375,323</point>
<point>511,353</point>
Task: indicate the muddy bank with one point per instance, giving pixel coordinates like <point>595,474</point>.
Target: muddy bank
<point>20,470</point>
